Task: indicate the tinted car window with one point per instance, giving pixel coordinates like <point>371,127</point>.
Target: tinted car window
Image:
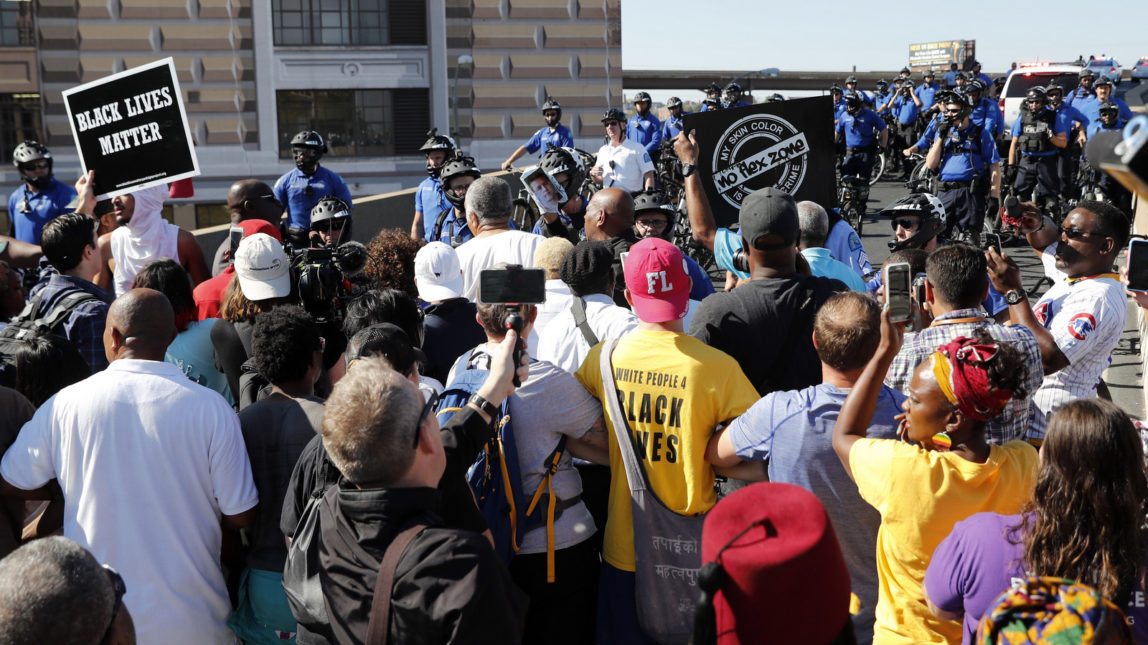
<point>1020,84</point>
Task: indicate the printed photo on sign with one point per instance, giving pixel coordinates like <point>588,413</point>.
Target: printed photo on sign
<point>131,129</point>
<point>784,145</point>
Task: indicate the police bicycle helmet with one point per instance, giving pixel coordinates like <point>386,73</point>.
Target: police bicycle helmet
<point>458,166</point>
<point>642,96</point>
<point>775,97</point>
<point>929,74</point>
<point>853,100</point>
<point>1108,108</point>
<point>851,79</point>
<point>1103,79</point>
<point>436,141</point>
<point>552,104</point>
<point>309,139</point>
<point>928,208</point>
<point>558,160</point>
<point>614,114</point>
<point>1086,73</point>
<point>836,88</point>
<point>655,200</point>
<point>29,151</point>
<point>673,102</point>
<point>712,88</point>
<point>1036,94</point>
<point>975,85</point>
<point>908,85</point>
<point>906,70</point>
<point>332,210</point>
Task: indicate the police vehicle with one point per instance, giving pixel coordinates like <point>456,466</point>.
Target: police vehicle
<point>1140,69</point>
<point>1102,65</point>
<point>1030,75</point>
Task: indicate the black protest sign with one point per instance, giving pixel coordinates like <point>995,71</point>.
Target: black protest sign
<point>786,145</point>
<point>132,130</point>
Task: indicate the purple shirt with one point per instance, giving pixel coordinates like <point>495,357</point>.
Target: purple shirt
<point>978,561</point>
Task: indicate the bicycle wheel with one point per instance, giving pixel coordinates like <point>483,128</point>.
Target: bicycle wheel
<point>878,168</point>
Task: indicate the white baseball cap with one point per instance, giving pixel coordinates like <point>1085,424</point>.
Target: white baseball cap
<point>262,266</point>
<point>438,273</point>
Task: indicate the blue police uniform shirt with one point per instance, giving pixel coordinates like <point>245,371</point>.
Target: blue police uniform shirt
<point>452,226</point>
<point>1072,115</point>
<point>881,98</point>
<point>905,110</point>
<point>1060,125</point>
<point>964,157</point>
<point>430,200</point>
<point>984,78</point>
<point>927,94</point>
<point>646,131</point>
<point>1090,108</point>
<point>930,133</point>
<point>845,245</point>
<point>700,283</point>
<point>291,191</point>
<point>861,131</point>
<point>737,105</point>
<point>950,79</point>
<point>1079,94</point>
<point>1097,126</point>
<point>672,126</point>
<point>988,116</point>
<point>838,110</point>
<point>43,207</point>
<point>559,136</point>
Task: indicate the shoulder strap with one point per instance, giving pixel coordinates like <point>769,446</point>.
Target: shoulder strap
<point>635,474</point>
<point>439,221</point>
<point>65,307</point>
<point>31,310</point>
<point>578,308</point>
<point>381,604</point>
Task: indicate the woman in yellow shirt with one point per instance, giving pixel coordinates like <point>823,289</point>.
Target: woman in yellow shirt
<point>943,471</point>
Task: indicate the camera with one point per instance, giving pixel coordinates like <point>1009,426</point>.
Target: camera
<point>512,287</point>
<point>323,277</point>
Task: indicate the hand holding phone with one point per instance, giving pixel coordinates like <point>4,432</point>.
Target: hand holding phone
<point>898,298</point>
<point>1138,265</point>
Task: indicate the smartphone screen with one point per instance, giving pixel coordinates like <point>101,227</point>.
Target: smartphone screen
<point>994,240</point>
<point>235,234</point>
<point>897,291</point>
<point>512,286</point>
<point>919,288</point>
<point>1138,265</point>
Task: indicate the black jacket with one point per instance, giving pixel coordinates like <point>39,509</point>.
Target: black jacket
<point>450,330</point>
<point>450,587</point>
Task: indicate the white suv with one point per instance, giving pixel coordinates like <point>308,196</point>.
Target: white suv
<point>1030,75</point>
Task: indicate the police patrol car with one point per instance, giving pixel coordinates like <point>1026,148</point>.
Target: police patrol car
<point>1030,75</point>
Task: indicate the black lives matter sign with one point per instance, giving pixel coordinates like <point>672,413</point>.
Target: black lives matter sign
<point>786,145</point>
<point>131,129</point>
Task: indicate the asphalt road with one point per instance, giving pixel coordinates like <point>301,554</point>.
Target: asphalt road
<point>1124,377</point>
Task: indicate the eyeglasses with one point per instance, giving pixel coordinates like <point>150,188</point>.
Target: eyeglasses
<point>35,165</point>
<point>956,111</point>
<point>613,124</point>
<point>328,225</point>
<point>652,223</point>
<point>120,589</point>
<point>1076,234</point>
<point>427,409</point>
<point>907,223</point>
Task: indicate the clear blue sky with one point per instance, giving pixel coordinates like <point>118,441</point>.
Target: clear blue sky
<point>815,35</point>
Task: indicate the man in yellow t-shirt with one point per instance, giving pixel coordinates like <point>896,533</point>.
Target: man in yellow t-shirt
<point>674,391</point>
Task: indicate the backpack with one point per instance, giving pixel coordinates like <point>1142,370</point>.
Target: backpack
<point>301,582</point>
<point>34,323</point>
<point>496,477</point>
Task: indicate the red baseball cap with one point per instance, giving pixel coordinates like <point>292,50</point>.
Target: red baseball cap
<point>658,280</point>
<point>253,226</point>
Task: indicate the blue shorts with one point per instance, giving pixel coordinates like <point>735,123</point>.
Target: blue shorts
<point>618,609</point>
<point>263,616</point>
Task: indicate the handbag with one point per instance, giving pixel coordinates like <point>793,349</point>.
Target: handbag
<point>667,551</point>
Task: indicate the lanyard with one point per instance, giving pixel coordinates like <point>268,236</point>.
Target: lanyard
<point>1114,276</point>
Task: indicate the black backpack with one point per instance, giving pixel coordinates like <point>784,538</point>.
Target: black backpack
<point>34,323</point>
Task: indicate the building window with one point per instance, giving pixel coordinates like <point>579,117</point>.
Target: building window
<point>348,23</point>
<point>356,123</point>
<point>19,120</point>
<point>16,28</point>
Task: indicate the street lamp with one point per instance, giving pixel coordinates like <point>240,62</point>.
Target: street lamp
<point>465,63</point>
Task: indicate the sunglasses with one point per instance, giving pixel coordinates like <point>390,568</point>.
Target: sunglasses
<point>328,225</point>
<point>906,223</point>
<point>35,165</point>
<point>120,589</point>
<point>427,409</point>
<point>613,124</point>
<point>956,111</point>
<point>1077,234</point>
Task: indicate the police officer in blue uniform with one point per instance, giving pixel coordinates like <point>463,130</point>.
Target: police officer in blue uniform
<point>712,99</point>
<point>456,176</point>
<point>980,76</point>
<point>985,113</point>
<point>905,74</point>
<point>644,128</point>
<point>1069,156</point>
<point>881,96</point>
<point>950,77</point>
<point>1036,135</point>
<point>838,96</point>
<point>1090,107</point>
<point>41,198</point>
<point>860,128</point>
<point>927,91</point>
<point>552,133</point>
<point>961,81</point>
<point>851,86</point>
<point>673,124</point>
<point>966,156</point>
<point>905,108</point>
<point>1084,90</point>
<point>565,166</point>
<point>430,198</point>
<point>731,96</point>
<point>1109,120</point>
<point>301,189</point>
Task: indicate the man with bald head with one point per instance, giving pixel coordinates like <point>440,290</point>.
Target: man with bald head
<point>610,218</point>
<point>150,464</point>
<point>247,199</point>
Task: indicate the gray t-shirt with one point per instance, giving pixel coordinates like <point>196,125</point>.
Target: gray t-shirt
<point>551,403</point>
<point>793,431</point>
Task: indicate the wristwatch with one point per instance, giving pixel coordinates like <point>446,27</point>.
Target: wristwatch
<point>1015,296</point>
<point>688,169</point>
<point>489,408</point>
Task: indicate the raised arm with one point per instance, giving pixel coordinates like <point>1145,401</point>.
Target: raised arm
<point>702,223</point>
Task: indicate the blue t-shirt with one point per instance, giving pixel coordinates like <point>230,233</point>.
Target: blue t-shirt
<point>1072,115</point>
<point>845,245</point>
<point>43,207</point>
<point>1079,94</point>
<point>646,131</point>
<point>927,94</point>
<point>905,110</point>
<point>1059,126</point>
<point>560,137</point>
<point>1097,126</point>
<point>701,285</point>
<point>726,245</point>
<point>672,126</point>
<point>1090,108</point>
<point>193,353</point>
<point>929,134</point>
<point>291,191</point>
<point>987,115</point>
<point>860,131</point>
<point>880,99</point>
<point>838,110</point>
<point>793,431</point>
<point>822,263</point>
<point>967,153</point>
<point>430,200</point>
<point>951,78</point>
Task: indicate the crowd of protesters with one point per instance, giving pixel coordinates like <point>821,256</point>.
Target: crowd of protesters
<point>247,462</point>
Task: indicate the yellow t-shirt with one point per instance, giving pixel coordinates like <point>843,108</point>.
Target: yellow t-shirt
<point>674,390</point>
<point>921,494</point>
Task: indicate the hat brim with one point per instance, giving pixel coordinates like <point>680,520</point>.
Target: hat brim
<point>256,290</point>
<point>445,291</point>
<point>660,310</point>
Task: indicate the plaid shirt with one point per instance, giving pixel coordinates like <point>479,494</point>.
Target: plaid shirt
<point>1014,421</point>
<point>85,326</point>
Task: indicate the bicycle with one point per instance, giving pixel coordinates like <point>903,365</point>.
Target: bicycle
<point>853,197</point>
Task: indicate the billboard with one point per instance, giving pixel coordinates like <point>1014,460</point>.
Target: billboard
<point>939,54</point>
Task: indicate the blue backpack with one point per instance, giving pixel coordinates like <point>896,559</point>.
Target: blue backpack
<point>496,478</point>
